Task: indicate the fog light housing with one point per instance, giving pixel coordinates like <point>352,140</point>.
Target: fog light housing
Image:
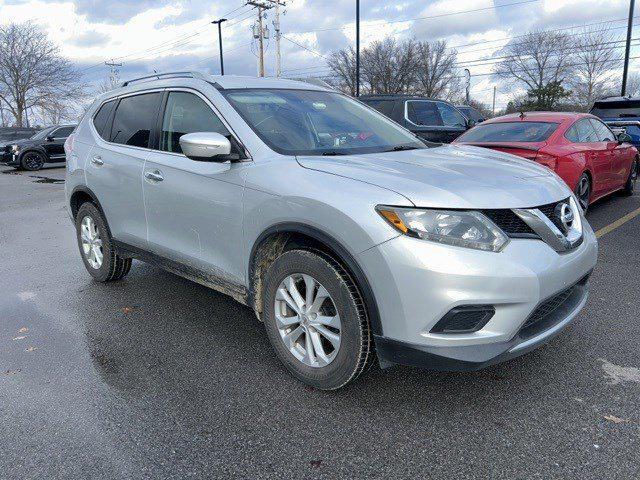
<point>465,319</point>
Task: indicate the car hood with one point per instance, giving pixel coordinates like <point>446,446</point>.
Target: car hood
<point>451,176</point>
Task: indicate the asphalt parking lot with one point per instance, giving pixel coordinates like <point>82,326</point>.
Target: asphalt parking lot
<point>157,377</point>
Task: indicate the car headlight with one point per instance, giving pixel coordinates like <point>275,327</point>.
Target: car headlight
<point>459,228</point>
<point>15,148</point>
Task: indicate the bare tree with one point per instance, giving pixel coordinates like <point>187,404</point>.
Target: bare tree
<point>389,66</point>
<point>33,74</point>
<point>435,73</point>
<point>537,60</point>
<point>595,58</point>
<point>343,66</point>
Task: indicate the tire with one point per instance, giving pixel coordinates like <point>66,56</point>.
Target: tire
<point>32,161</point>
<point>630,186</point>
<point>355,351</point>
<point>583,191</point>
<point>111,265</point>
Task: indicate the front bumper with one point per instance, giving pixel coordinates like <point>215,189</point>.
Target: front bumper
<point>416,283</point>
<point>9,158</point>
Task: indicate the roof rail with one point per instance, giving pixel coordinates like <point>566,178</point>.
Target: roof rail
<point>160,76</point>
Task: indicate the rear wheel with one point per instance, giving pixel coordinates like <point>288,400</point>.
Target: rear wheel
<point>32,161</point>
<point>583,191</point>
<point>315,320</point>
<point>630,186</point>
<point>96,246</point>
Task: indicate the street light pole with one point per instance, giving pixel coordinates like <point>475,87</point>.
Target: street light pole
<point>625,71</point>
<point>219,23</point>
<point>357,48</point>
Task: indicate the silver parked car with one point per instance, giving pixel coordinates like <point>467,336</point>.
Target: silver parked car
<point>351,239</point>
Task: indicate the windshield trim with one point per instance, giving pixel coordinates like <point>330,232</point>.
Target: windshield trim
<point>320,151</point>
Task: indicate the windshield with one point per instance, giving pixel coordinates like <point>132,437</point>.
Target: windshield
<point>509,132</point>
<point>42,133</point>
<point>616,109</point>
<point>307,122</point>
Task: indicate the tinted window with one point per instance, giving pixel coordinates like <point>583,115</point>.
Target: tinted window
<point>134,119</point>
<point>63,132</point>
<point>509,132</point>
<point>451,117</point>
<point>603,132</point>
<point>187,113</point>
<point>310,122</point>
<point>102,117</point>
<point>424,113</point>
<point>383,106</point>
<point>616,109</point>
<point>582,132</point>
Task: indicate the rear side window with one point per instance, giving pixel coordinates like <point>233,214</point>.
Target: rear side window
<point>383,106</point>
<point>102,117</point>
<point>424,113</point>
<point>582,132</point>
<point>451,116</point>
<point>510,132</point>
<point>187,113</point>
<point>63,132</point>
<point>135,118</point>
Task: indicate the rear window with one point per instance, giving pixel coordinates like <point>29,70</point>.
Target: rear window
<point>510,132</point>
<point>616,109</point>
<point>135,118</point>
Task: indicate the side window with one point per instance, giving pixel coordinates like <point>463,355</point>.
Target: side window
<point>451,117</point>
<point>187,113</point>
<point>582,132</point>
<point>383,106</point>
<point>135,118</point>
<point>422,112</point>
<point>63,132</point>
<point>102,117</point>
<point>604,134</point>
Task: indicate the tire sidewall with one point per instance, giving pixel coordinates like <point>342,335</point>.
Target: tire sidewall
<point>584,175</point>
<point>89,210</point>
<point>346,363</point>
<point>630,186</point>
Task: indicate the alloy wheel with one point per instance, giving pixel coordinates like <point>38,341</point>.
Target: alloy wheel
<point>33,161</point>
<point>307,320</point>
<point>583,192</point>
<point>91,242</point>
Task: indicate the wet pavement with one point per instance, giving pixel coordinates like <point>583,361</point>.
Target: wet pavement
<point>158,377</point>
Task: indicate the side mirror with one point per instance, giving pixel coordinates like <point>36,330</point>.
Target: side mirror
<point>471,123</point>
<point>205,146</point>
<point>49,138</point>
<point>624,137</point>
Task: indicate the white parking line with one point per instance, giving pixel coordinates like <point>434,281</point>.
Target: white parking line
<point>618,223</point>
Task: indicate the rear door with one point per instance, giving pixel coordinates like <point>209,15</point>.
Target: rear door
<point>194,208</point>
<point>618,155</point>
<point>115,164</point>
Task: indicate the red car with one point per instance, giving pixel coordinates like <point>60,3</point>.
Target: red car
<point>581,149</point>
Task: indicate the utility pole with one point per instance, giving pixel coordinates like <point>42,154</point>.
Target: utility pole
<point>219,23</point>
<point>276,26</point>
<point>625,71</point>
<point>113,73</point>
<point>493,109</point>
<point>260,33</point>
<point>357,48</point>
<point>467,77</point>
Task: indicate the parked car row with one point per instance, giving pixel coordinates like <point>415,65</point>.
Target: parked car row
<point>352,239</point>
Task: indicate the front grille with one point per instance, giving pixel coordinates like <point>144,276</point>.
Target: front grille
<point>509,223</point>
<point>515,227</point>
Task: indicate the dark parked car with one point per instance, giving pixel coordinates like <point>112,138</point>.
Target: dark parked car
<point>430,119</point>
<point>46,146</point>
<point>471,113</point>
<point>620,113</point>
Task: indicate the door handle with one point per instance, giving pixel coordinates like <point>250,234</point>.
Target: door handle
<point>97,160</point>
<point>155,176</point>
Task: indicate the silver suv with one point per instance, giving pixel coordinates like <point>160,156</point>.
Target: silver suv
<point>351,239</point>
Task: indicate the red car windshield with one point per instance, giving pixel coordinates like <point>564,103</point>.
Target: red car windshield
<point>527,132</point>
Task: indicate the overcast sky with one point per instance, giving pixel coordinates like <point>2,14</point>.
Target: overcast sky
<point>145,35</point>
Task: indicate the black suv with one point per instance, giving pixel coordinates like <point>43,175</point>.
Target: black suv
<point>430,119</point>
<point>46,146</point>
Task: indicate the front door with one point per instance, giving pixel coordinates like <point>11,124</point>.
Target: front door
<point>54,143</point>
<point>194,208</point>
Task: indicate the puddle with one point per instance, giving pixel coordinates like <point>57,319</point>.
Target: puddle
<point>47,179</point>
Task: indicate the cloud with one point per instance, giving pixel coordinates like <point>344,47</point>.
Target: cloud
<point>90,38</point>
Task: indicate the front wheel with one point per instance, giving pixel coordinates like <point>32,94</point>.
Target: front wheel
<point>315,319</point>
<point>630,186</point>
<point>32,161</point>
<point>583,191</point>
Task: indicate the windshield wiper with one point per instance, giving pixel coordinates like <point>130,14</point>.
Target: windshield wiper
<point>332,153</point>
<point>401,148</point>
